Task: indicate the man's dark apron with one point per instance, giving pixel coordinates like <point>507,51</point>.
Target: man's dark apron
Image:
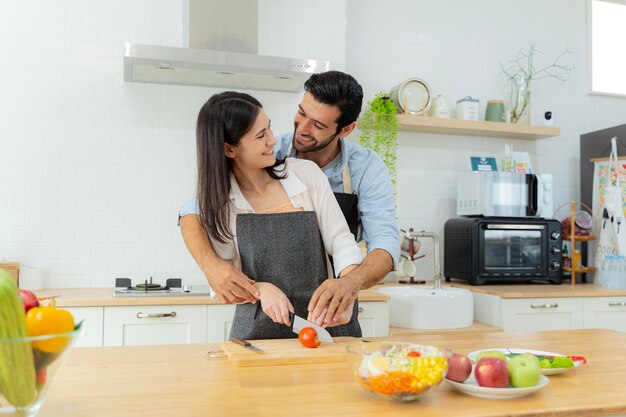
<point>284,249</point>
<point>348,203</point>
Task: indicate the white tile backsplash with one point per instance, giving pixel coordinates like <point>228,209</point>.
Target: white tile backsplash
<point>93,169</point>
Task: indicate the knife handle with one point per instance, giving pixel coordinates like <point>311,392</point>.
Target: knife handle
<point>243,343</point>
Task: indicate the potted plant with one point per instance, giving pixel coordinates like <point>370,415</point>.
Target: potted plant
<point>379,131</point>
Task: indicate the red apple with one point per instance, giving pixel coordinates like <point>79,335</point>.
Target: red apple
<point>30,299</point>
<point>459,368</point>
<point>492,372</point>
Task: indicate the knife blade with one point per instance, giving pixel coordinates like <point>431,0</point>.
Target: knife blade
<point>298,323</point>
<point>247,345</point>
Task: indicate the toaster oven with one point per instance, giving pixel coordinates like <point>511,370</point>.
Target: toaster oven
<point>499,249</point>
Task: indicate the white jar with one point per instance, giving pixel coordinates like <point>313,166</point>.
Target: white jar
<point>467,108</point>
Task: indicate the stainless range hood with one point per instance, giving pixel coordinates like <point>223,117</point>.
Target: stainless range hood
<point>233,68</point>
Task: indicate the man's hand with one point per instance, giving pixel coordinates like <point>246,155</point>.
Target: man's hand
<point>275,303</point>
<point>331,301</point>
<point>231,285</point>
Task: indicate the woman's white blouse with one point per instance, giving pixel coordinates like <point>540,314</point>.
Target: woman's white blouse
<point>307,187</point>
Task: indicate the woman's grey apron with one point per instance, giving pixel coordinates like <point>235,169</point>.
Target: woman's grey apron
<point>284,249</point>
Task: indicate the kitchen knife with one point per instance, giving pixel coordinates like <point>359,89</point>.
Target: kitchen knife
<point>298,323</point>
<point>247,345</point>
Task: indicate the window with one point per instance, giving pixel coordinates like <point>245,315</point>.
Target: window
<point>607,33</point>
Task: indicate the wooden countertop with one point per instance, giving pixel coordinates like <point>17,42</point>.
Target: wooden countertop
<point>103,297</point>
<point>541,290</point>
<point>474,328</point>
<point>182,381</point>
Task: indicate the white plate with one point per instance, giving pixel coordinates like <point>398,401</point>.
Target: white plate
<point>412,96</point>
<point>471,387</point>
<point>545,371</point>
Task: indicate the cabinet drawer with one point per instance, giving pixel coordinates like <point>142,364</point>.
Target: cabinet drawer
<point>374,318</point>
<point>154,325</point>
<point>219,322</point>
<point>605,313</point>
<point>530,314</point>
<point>91,329</point>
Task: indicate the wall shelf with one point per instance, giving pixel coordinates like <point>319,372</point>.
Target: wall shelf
<point>426,124</point>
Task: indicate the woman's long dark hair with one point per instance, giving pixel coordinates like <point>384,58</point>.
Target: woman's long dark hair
<point>225,118</point>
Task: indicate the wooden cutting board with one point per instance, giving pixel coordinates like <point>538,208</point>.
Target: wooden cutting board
<point>287,352</point>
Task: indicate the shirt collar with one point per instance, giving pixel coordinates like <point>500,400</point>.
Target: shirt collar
<point>292,185</point>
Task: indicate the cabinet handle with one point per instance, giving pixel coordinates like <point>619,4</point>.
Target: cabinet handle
<point>360,310</point>
<point>155,315</point>
<point>549,305</point>
<point>617,303</point>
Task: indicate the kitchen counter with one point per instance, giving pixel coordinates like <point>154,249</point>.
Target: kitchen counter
<point>103,297</point>
<point>541,290</point>
<point>474,328</point>
<point>183,380</point>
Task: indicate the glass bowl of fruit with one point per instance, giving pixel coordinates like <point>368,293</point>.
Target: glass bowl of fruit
<point>33,346</point>
<point>398,370</point>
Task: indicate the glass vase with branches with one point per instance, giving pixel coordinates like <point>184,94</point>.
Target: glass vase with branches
<point>522,72</point>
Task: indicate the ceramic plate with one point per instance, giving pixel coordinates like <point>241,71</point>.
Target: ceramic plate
<point>412,96</point>
<point>471,387</point>
<point>545,371</point>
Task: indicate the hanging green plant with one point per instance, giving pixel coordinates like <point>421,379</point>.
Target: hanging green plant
<point>379,131</point>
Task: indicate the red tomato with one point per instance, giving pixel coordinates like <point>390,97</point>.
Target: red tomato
<point>308,337</point>
<point>413,354</point>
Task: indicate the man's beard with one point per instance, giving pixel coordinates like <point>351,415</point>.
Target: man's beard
<point>318,145</point>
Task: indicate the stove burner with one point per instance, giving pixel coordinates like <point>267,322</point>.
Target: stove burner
<point>150,287</point>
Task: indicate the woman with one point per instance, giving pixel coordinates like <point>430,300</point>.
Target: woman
<point>275,219</point>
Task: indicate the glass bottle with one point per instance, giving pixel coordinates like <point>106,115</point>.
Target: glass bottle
<point>508,163</point>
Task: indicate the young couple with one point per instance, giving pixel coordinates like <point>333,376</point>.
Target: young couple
<point>265,222</point>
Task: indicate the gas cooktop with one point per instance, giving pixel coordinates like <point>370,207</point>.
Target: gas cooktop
<point>173,288</point>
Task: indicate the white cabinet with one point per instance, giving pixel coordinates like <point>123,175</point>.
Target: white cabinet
<point>155,325</point>
<point>374,318</point>
<point>529,314</point>
<point>605,313</point>
<point>219,322</point>
<point>92,317</point>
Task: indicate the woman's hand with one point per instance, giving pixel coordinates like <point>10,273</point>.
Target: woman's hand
<point>344,317</point>
<point>274,302</point>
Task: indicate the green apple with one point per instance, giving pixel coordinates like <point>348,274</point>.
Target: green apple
<point>531,357</point>
<point>524,371</point>
<point>491,354</point>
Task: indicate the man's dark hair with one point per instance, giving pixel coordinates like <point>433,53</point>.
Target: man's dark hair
<point>337,88</point>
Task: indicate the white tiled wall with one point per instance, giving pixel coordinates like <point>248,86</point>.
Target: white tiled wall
<point>93,170</point>
<point>457,47</point>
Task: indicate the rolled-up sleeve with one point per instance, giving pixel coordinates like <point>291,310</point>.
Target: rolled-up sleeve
<point>377,208</point>
<point>338,241</point>
<point>189,207</point>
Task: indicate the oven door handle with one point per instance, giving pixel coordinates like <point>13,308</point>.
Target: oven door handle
<point>533,204</point>
<point>155,315</point>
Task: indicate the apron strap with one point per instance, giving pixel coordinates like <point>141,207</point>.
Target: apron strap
<point>347,183</point>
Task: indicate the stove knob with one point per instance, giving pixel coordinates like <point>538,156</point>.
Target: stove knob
<point>555,236</point>
<point>554,266</point>
<point>555,250</point>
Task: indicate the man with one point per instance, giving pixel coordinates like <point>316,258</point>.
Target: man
<point>327,114</point>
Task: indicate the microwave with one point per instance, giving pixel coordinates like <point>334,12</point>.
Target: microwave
<point>493,193</point>
<point>483,250</point>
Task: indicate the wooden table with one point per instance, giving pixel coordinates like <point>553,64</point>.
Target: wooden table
<point>183,381</point>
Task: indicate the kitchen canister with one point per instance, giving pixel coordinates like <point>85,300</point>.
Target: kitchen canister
<point>467,108</point>
<point>31,278</point>
<point>439,108</point>
<point>495,111</point>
